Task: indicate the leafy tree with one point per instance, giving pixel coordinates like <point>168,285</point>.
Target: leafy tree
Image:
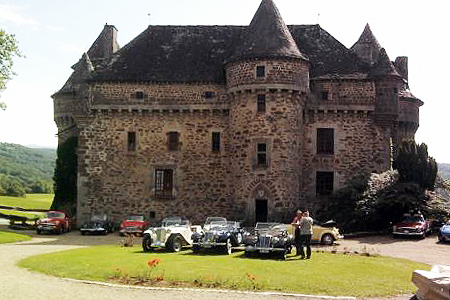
<point>65,178</point>
<point>414,165</point>
<point>8,48</point>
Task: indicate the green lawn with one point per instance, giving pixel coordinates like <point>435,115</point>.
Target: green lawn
<point>9,237</point>
<point>31,201</point>
<point>325,274</point>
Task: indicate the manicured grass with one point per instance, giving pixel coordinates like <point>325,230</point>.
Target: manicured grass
<point>28,215</point>
<point>31,201</point>
<point>9,237</point>
<point>325,274</point>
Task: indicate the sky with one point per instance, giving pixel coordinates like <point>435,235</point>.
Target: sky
<point>53,34</point>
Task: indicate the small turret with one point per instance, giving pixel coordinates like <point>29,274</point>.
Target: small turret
<point>105,45</point>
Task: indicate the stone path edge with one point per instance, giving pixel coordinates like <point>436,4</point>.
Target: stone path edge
<point>296,296</point>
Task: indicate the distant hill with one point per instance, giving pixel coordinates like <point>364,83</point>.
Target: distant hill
<point>444,170</point>
<point>26,169</point>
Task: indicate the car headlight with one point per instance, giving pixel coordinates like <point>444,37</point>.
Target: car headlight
<point>275,240</point>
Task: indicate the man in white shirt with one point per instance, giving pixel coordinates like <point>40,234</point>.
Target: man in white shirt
<point>306,230</point>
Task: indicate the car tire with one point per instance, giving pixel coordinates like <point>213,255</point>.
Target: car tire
<point>38,231</point>
<point>283,255</point>
<point>228,247</point>
<point>146,243</point>
<point>327,239</point>
<point>175,244</point>
<point>83,233</point>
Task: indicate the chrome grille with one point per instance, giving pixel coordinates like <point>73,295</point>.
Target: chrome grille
<point>263,242</point>
<point>160,234</point>
<point>209,237</point>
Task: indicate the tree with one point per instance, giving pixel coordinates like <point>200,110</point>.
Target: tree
<point>65,178</point>
<point>414,165</point>
<point>8,48</point>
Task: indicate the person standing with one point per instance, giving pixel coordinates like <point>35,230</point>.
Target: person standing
<point>306,231</point>
<point>295,224</point>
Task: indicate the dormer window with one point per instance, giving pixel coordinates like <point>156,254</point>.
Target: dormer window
<point>139,95</point>
<point>260,71</point>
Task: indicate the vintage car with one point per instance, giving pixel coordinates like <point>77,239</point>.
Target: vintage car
<point>133,224</point>
<point>269,238</point>
<point>100,223</point>
<point>325,233</point>
<point>218,234</point>
<point>412,225</point>
<point>444,233</point>
<point>173,234</point>
<point>54,221</point>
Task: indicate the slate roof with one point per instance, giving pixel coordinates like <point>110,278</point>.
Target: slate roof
<point>384,66</point>
<point>367,46</point>
<point>198,54</point>
<point>267,36</point>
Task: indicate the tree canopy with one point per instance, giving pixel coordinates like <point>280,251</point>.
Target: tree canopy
<point>8,49</point>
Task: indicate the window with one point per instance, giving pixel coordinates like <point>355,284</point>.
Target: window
<point>209,95</point>
<point>324,183</point>
<point>173,141</point>
<point>261,155</point>
<point>260,71</point>
<point>131,141</point>
<point>139,95</point>
<point>324,95</point>
<point>261,103</point>
<point>163,183</point>
<point>215,142</point>
<point>325,141</point>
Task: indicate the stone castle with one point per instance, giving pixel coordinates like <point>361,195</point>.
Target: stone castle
<point>246,122</point>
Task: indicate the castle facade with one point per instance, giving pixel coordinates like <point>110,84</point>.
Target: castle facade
<point>246,122</point>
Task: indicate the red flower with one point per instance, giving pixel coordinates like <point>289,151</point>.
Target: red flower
<point>153,263</point>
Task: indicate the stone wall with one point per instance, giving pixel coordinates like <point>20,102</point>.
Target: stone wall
<point>121,182</point>
<point>360,147</point>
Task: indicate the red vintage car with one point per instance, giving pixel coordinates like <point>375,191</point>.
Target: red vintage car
<point>412,225</point>
<point>55,221</point>
<point>133,224</point>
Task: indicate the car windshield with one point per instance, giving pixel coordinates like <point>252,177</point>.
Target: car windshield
<point>413,219</point>
<point>216,221</point>
<point>135,218</point>
<point>174,222</point>
<point>99,217</point>
<point>271,228</point>
<point>55,214</point>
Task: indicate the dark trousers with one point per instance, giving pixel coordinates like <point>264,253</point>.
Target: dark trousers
<point>303,240</point>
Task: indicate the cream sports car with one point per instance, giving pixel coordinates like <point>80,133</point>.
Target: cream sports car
<point>323,233</point>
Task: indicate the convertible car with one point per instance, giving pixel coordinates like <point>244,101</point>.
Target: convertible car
<point>218,234</point>
<point>99,223</point>
<point>269,238</point>
<point>412,225</point>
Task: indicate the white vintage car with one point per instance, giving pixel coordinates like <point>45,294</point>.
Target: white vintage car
<point>173,234</point>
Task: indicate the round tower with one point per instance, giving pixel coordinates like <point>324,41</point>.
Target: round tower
<point>268,82</point>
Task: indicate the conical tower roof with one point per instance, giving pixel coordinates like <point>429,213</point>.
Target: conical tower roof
<point>268,36</point>
<point>367,46</point>
<point>384,66</point>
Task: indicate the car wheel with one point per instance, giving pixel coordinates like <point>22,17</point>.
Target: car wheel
<point>146,243</point>
<point>327,239</point>
<point>83,233</point>
<point>175,244</point>
<point>283,255</point>
<point>38,231</point>
<point>228,247</point>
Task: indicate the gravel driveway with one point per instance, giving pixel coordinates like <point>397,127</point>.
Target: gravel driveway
<point>17,283</point>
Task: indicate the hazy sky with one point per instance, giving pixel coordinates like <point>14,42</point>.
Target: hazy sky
<point>53,34</point>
